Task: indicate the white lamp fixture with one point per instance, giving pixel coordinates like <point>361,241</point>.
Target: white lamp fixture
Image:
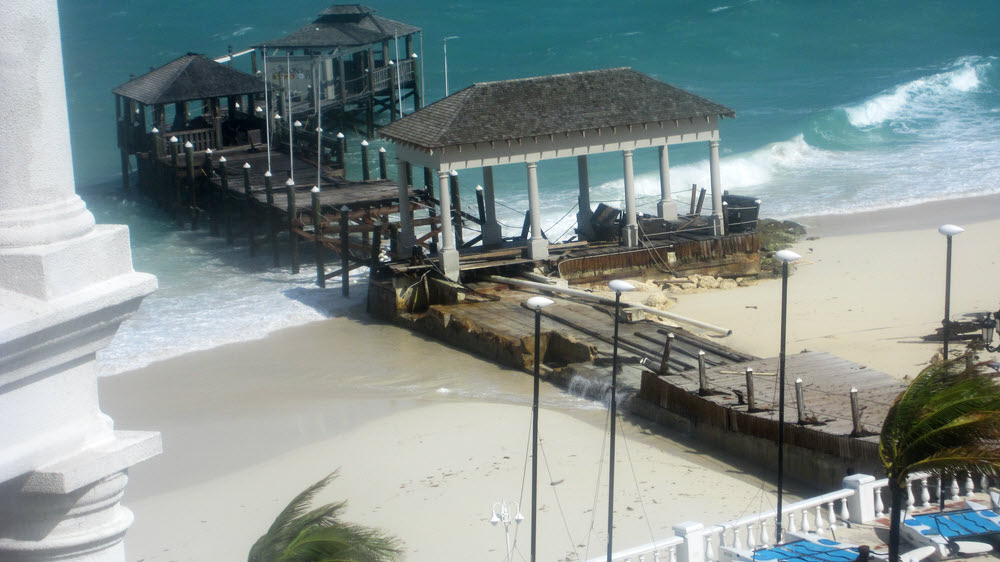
<point>950,229</point>
<point>538,303</point>
<point>787,256</point>
<point>620,286</point>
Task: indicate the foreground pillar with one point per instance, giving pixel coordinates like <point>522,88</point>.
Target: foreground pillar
<point>538,246</point>
<point>448,252</point>
<point>65,287</point>
<point>630,232</point>
<point>492,235</point>
<point>667,207</point>
<point>713,158</point>
<point>584,214</point>
<point>406,237</point>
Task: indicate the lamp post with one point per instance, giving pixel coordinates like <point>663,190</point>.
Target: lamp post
<point>536,304</point>
<point>619,287</point>
<point>948,231</point>
<point>446,62</point>
<point>786,257</point>
<point>501,514</point>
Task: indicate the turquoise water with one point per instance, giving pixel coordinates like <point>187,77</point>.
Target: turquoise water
<point>840,107</point>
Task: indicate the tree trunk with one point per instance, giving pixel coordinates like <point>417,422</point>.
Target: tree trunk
<point>897,495</point>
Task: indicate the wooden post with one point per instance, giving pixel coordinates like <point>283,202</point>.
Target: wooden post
<point>855,412</point>
<point>694,196</point>
<point>365,171</point>
<point>725,217</point>
<point>526,226</point>
<point>189,164</point>
<point>174,186</point>
<point>317,220</point>
<point>800,404</point>
<point>345,264</point>
<point>272,218</point>
<point>227,211</point>
<point>213,218</point>
<point>481,205</point>
<point>702,375</point>
<point>342,151</point>
<point>751,397</point>
<point>125,169</point>
<point>383,165</point>
<point>701,201</point>
<point>248,210</point>
<point>376,244</point>
<point>393,102</point>
<point>456,206</point>
<point>664,367</point>
<point>293,237</point>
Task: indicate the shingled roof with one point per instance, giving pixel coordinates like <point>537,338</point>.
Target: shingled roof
<point>190,77</point>
<point>344,26</point>
<point>562,103</point>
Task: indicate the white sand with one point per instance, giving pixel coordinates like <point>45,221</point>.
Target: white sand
<point>868,295</point>
<point>245,430</point>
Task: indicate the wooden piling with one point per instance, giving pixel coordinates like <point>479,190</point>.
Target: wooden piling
<point>189,164</point>
<point>174,184</point>
<point>272,218</point>
<point>342,151</point>
<point>751,397</point>
<point>293,237</point>
<point>383,164</point>
<point>365,171</point>
<point>456,207</point>
<point>855,413</point>
<point>694,196</point>
<point>317,217</point>
<point>725,217</point>
<point>213,217</point>
<point>481,204</point>
<point>227,210</point>
<point>376,244</point>
<point>431,211</point>
<point>800,405</point>
<point>701,201</point>
<point>526,225</point>
<point>345,252</point>
<point>667,346</point>
<point>702,375</point>
<point>248,209</point>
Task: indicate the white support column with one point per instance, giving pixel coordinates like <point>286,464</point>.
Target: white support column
<point>448,252</point>
<point>492,235</point>
<point>67,285</point>
<point>630,232</point>
<point>406,236</point>
<point>538,246</point>
<point>584,214</point>
<point>666,208</point>
<point>713,158</point>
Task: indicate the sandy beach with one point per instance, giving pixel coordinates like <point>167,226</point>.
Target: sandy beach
<point>426,438</point>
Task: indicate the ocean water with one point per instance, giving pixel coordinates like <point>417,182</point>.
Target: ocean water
<point>840,107</point>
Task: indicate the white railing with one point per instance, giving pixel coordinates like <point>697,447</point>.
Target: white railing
<point>873,500</point>
<point>663,551</point>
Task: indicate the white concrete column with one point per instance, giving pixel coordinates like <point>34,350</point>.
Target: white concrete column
<point>538,246</point>
<point>492,235</point>
<point>713,158</point>
<point>38,202</point>
<point>67,285</point>
<point>667,207</point>
<point>584,214</point>
<point>447,251</point>
<point>406,236</point>
<point>630,232</point>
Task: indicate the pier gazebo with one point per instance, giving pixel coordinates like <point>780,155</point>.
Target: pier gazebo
<point>190,78</point>
<point>352,58</point>
<point>534,119</point>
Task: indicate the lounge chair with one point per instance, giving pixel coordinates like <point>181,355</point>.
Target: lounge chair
<point>804,548</point>
<point>951,531</point>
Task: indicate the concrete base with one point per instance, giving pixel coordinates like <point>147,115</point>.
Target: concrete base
<point>718,226</point>
<point>538,249</point>
<point>630,236</point>
<point>449,263</point>
<point>492,235</point>
<point>406,242</point>
<point>667,210</point>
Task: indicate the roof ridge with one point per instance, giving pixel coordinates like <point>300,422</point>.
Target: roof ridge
<point>461,104</point>
<point>550,76</point>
